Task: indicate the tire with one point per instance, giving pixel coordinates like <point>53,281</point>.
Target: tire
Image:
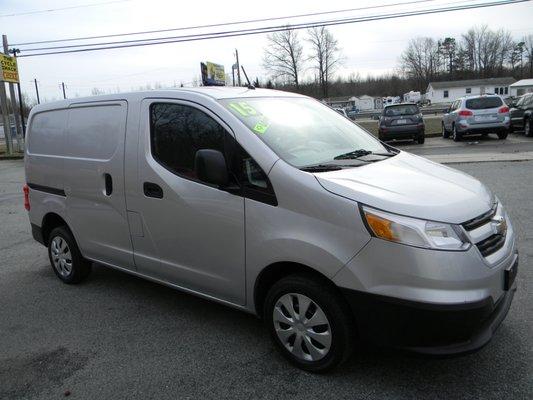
<point>502,135</point>
<point>324,304</point>
<point>420,139</point>
<point>445,133</point>
<point>456,135</point>
<point>527,128</point>
<point>65,257</point>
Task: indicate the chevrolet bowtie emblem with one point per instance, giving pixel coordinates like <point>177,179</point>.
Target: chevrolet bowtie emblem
<point>499,226</point>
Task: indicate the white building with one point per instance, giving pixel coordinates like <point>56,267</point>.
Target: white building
<point>448,91</point>
<point>521,87</point>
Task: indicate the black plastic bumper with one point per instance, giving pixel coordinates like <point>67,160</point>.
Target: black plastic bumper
<point>401,132</point>
<point>427,328</point>
<point>37,234</point>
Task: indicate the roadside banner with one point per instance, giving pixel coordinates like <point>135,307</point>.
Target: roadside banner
<point>8,69</point>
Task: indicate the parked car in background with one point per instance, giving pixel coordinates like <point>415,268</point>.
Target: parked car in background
<point>341,111</point>
<point>401,121</point>
<point>476,115</point>
<point>522,114</point>
<point>352,113</point>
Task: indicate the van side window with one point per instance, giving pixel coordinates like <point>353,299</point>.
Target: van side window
<point>177,131</point>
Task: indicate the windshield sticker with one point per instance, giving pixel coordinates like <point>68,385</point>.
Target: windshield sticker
<point>261,127</point>
<point>243,108</point>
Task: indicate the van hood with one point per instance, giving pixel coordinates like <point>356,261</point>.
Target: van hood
<point>413,186</point>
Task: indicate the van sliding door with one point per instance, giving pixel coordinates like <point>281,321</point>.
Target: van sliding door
<point>94,169</point>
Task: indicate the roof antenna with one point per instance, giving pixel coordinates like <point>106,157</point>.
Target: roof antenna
<point>250,86</point>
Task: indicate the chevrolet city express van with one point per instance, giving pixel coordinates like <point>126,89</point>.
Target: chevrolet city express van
<point>275,204</point>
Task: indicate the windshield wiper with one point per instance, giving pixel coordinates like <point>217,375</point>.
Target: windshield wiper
<point>321,168</point>
<point>352,155</point>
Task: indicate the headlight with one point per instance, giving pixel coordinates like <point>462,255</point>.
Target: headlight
<point>413,231</point>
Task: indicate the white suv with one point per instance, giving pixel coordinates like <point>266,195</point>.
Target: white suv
<point>476,115</point>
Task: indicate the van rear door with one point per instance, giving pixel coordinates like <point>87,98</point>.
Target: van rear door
<point>94,170</point>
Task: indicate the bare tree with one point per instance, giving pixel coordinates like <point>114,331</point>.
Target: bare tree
<point>487,50</point>
<point>284,56</point>
<point>421,61</point>
<point>325,56</point>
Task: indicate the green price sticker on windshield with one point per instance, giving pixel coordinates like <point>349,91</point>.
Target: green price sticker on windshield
<point>243,108</point>
<point>261,127</point>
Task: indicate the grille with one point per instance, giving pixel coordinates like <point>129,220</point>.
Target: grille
<point>481,220</point>
<point>491,245</point>
<point>486,245</point>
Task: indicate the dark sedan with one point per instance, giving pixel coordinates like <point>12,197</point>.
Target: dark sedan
<point>401,121</point>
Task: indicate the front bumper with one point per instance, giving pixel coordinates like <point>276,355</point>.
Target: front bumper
<point>427,328</point>
<point>437,302</point>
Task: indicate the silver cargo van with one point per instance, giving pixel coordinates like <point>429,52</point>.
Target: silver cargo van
<point>274,204</point>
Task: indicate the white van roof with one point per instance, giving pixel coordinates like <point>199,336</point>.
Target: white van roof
<point>214,92</point>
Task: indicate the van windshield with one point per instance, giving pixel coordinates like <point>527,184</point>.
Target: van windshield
<point>301,131</point>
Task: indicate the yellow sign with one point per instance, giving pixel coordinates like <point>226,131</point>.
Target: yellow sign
<point>215,73</point>
<point>8,69</point>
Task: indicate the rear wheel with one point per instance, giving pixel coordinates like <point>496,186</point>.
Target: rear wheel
<point>445,133</point>
<point>527,128</point>
<point>309,322</point>
<point>420,139</point>
<point>65,257</point>
<point>456,135</point>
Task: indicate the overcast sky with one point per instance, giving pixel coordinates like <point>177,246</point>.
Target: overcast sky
<point>368,48</point>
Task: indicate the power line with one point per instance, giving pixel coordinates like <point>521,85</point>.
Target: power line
<point>190,35</point>
<point>225,23</point>
<point>245,32</point>
<point>62,8</point>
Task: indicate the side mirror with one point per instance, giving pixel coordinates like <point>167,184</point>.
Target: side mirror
<point>210,167</point>
<point>447,110</point>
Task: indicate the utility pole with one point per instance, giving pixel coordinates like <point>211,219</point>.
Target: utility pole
<point>238,68</point>
<point>15,52</point>
<point>63,86</point>
<point>14,108</point>
<point>37,91</point>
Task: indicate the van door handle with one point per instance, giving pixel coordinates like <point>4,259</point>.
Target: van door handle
<point>152,190</point>
<point>108,184</point>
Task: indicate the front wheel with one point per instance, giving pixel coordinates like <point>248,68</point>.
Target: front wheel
<point>65,257</point>
<point>309,322</point>
<point>527,128</point>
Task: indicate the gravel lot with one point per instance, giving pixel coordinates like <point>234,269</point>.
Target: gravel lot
<point>118,336</point>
